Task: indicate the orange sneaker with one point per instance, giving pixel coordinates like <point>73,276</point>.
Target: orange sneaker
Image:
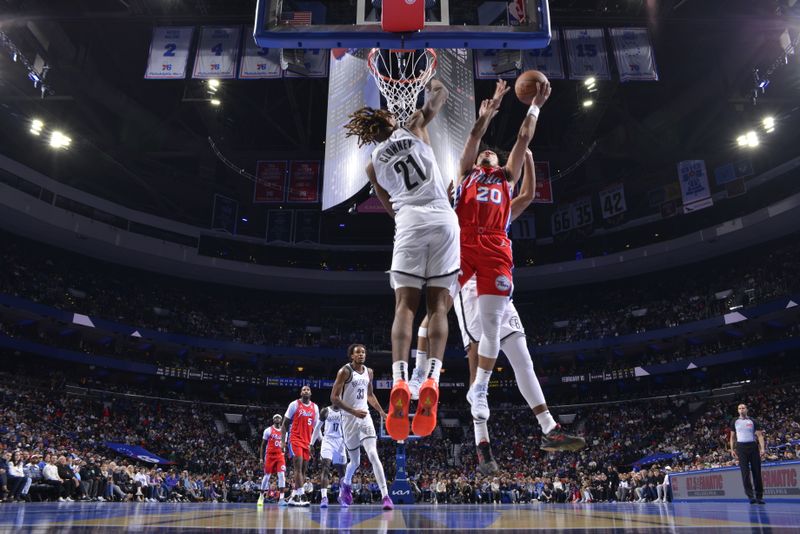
<point>397,419</point>
<point>425,418</point>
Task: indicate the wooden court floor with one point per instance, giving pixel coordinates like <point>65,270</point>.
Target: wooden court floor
<point>628,517</point>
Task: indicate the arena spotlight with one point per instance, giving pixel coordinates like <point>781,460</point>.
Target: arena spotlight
<point>742,140</point>
<point>36,126</point>
<point>215,102</point>
<point>589,82</point>
<point>588,103</point>
<point>213,86</point>
<point>769,124</point>
<point>748,140</point>
<point>59,141</point>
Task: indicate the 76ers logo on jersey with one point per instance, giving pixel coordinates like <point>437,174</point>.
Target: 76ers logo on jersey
<point>502,283</point>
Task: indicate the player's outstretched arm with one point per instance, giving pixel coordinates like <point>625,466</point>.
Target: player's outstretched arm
<point>486,113</point>
<point>380,192</point>
<point>526,131</point>
<point>526,193</point>
<point>373,400</point>
<point>336,394</point>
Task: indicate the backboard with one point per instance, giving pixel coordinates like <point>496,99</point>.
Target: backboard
<point>484,24</point>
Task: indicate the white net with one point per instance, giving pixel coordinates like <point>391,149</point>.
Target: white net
<point>401,75</point>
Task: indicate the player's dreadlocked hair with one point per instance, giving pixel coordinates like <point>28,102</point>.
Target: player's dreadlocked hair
<point>368,124</point>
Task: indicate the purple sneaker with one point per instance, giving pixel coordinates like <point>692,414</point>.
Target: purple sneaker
<point>323,503</point>
<point>345,495</point>
<point>387,503</point>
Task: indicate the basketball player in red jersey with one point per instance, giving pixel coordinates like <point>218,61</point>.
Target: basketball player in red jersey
<point>483,206</point>
<point>303,415</point>
<point>274,463</point>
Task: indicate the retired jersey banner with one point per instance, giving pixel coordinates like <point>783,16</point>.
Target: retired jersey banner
<point>561,220</point>
<point>582,214</point>
<point>546,60</point>
<point>634,53</point>
<point>259,63</point>
<point>306,226</point>
<point>217,52</point>
<point>694,181</point>
<point>586,54</point>
<point>169,53</point>
<point>524,227</point>
<point>612,201</point>
<point>270,184</point>
<point>314,64</point>
<point>279,226</point>
<point>304,181</point>
<point>493,64</point>
<point>544,188</point>
<point>224,216</point>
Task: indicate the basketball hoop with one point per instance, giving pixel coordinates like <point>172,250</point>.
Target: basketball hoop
<point>401,75</point>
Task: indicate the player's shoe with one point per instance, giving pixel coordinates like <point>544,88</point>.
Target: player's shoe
<point>387,503</point>
<point>260,502</point>
<point>397,419</point>
<point>323,503</point>
<point>283,502</point>
<point>558,440</point>
<point>478,397</point>
<point>345,495</point>
<point>425,418</point>
<point>486,463</point>
<point>417,378</point>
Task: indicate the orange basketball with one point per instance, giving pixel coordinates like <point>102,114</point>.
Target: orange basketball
<point>525,87</point>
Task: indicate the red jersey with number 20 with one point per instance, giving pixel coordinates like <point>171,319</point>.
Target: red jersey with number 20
<point>483,204</point>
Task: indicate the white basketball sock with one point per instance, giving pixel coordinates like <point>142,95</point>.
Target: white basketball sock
<point>399,371</point>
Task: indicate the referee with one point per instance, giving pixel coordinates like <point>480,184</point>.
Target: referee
<point>744,447</point>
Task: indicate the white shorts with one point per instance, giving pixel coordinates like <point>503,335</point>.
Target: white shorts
<point>356,430</point>
<point>469,320</point>
<point>334,451</point>
<point>427,247</point>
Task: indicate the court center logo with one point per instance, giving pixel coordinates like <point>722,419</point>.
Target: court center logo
<point>502,283</point>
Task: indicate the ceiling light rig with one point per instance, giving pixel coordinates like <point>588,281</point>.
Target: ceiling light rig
<point>36,76</point>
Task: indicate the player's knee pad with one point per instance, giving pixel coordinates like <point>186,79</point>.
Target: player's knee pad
<point>516,350</point>
<point>281,480</point>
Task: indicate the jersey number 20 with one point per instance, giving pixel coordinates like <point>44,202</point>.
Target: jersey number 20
<point>402,167</point>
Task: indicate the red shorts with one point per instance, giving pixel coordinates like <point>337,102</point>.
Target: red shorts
<point>300,450</point>
<point>489,258</point>
<point>274,465</point>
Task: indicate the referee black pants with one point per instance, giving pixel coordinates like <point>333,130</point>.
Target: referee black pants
<point>750,462</point>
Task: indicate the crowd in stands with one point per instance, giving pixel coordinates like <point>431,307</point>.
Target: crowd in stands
<point>57,278</point>
<point>52,448</point>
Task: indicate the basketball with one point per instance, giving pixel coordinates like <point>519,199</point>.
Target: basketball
<point>525,86</point>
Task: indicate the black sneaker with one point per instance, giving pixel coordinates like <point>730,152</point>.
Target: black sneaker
<point>486,463</point>
<point>760,501</point>
<point>558,440</point>
<point>753,501</point>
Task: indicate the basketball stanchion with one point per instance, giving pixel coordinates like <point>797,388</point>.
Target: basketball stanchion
<point>400,490</point>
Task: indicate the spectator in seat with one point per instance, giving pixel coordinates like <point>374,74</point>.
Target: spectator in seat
<point>51,478</point>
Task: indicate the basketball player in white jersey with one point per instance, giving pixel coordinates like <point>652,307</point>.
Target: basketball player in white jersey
<point>332,451</point>
<point>512,344</point>
<point>352,393</point>
<point>409,184</point>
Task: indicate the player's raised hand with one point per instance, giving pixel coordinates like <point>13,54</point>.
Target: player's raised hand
<point>542,93</point>
<point>500,90</point>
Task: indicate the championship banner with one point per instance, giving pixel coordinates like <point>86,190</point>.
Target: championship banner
<point>586,54</point>
<point>225,214</point>
<point>694,185</point>
<point>136,452</point>
<point>279,226</point>
<point>582,214</point>
<point>612,201</point>
<point>169,53</point>
<point>315,64</point>
<point>781,484</point>
<point>259,63</point>
<point>561,220</point>
<point>306,226</point>
<point>494,64</point>
<point>270,184</point>
<point>544,187</point>
<point>546,60</point>
<point>634,53</point>
<point>304,181</point>
<point>217,52</point>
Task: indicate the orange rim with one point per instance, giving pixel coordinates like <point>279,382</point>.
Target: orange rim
<point>375,72</point>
